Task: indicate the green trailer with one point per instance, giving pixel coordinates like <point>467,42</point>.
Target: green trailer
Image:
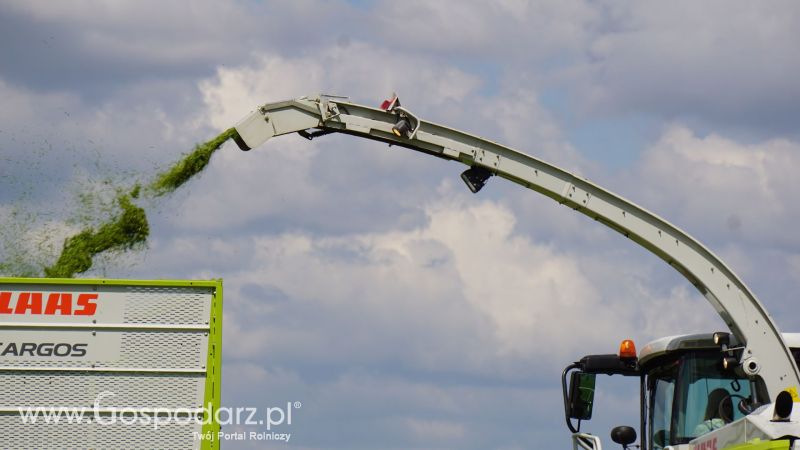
<point>94,363</point>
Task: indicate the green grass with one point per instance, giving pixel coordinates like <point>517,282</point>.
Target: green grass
<point>189,166</point>
<point>129,228</point>
<point>123,232</point>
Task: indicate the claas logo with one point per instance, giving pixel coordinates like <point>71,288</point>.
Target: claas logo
<point>56,303</point>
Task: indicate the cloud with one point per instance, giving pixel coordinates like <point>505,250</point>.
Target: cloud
<point>463,294</point>
<point>707,63</point>
<point>365,71</point>
<point>715,63</point>
<point>22,106</point>
<point>97,47</point>
<point>721,187</point>
<point>512,31</point>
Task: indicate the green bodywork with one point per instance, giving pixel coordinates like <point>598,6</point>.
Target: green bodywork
<point>758,444</point>
<point>213,390</point>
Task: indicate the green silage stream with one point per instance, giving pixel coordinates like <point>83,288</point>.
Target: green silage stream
<point>127,228</point>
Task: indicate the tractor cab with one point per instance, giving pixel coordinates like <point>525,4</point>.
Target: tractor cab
<point>690,385</point>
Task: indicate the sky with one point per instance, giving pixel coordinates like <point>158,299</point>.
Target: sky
<point>367,282</point>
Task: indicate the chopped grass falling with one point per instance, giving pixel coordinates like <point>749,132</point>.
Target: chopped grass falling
<point>129,228</point>
<point>190,165</point>
<point>124,232</point>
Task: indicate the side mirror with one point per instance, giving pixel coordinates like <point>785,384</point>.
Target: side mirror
<point>581,395</point>
<point>623,435</point>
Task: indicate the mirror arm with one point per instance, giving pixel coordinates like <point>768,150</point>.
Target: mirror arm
<point>564,374</point>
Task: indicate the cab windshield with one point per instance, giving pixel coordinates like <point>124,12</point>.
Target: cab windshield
<point>691,395</point>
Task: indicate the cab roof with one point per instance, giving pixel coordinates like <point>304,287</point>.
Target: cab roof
<point>669,344</point>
